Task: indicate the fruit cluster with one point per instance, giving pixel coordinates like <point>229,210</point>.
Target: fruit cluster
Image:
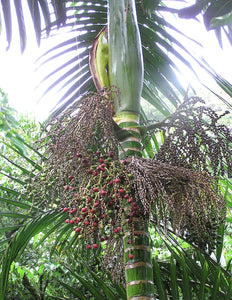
<point>103,202</point>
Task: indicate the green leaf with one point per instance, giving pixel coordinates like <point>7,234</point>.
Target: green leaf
<point>159,282</point>
<point>173,280</point>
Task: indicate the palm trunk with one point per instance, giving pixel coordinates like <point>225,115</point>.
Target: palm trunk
<point>126,73</point>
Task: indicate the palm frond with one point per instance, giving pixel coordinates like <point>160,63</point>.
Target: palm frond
<point>38,9</point>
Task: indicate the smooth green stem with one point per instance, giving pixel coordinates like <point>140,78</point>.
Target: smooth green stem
<point>125,55</point>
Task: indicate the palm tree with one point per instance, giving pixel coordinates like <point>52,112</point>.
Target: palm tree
<point>117,60</point>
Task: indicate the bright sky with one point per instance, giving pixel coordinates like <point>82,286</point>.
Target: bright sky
<point>19,79</point>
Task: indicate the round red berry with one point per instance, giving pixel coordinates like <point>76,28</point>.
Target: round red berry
<point>95,189</point>
<point>131,256</point>
<point>103,192</point>
<point>66,209</point>
<point>78,229</point>
<point>95,246</point>
<point>89,247</point>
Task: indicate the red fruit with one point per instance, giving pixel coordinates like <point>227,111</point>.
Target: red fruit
<point>116,230</point>
<point>103,169</point>
<point>89,199</point>
<point>119,228</point>
<point>131,256</point>
<point>101,239</point>
<point>67,221</point>
<point>95,224</point>
<point>97,203</point>
<point>66,209</point>
<point>122,191</point>
<point>71,221</point>
<point>103,165</point>
<point>103,216</point>
<point>101,160</point>
<point>76,195</point>
<point>78,155</point>
<point>117,180</point>
<point>111,154</point>
<point>90,171</point>
<point>129,221</point>
<point>89,247</point>
<point>70,177</point>
<point>124,162</point>
<point>103,193</point>
<point>78,229</point>
<point>83,209</point>
<point>98,152</point>
<point>104,176</point>
<point>86,223</point>
<point>95,173</point>
<point>78,219</point>
<point>70,188</point>
<point>95,246</point>
<point>84,161</point>
<point>93,211</point>
<point>129,242</point>
<point>110,183</point>
<point>136,233</point>
<point>130,200</point>
<point>134,204</point>
<point>126,196</point>
<point>95,189</point>
<point>111,203</point>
